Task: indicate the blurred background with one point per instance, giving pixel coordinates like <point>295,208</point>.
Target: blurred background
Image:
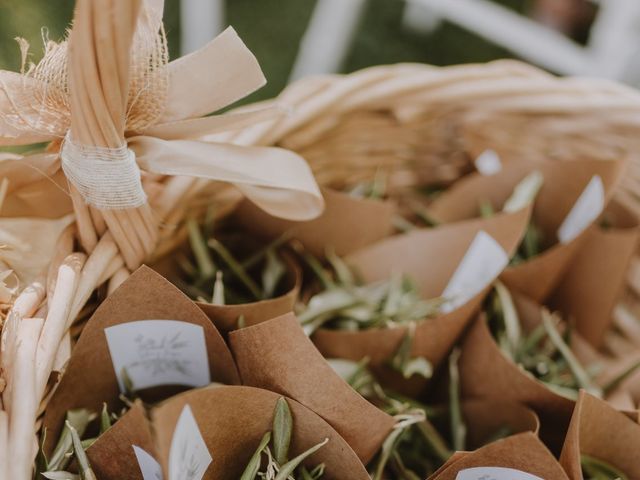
<point>293,38</point>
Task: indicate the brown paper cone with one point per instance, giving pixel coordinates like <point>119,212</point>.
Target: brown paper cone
<point>522,452</point>
<point>276,355</point>
<point>90,380</point>
<point>232,420</point>
<point>484,418</point>
<point>594,282</point>
<point>347,223</point>
<point>225,317</point>
<point>486,372</point>
<point>600,431</point>
<point>418,254</point>
<point>563,184</point>
<point>112,456</point>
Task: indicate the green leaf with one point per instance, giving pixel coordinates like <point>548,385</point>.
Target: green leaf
<point>236,267</point>
<point>274,270</point>
<point>79,419</point>
<point>578,371</point>
<point>282,428</point>
<point>458,428</point>
<point>105,419</point>
<point>81,457</point>
<point>596,469</point>
<point>60,475</point>
<point>253,466</point>
<point>343,272</point>
<point>218,290</point>
<point>288,468</point>
<point>524,192</point>
<point>200,251</point>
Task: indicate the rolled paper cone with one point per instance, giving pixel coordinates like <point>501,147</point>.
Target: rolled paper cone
<point>486,372</point>
<point>419,254</point>
<point>562,186</point>
<point>596,278</point>
<point>90,380</point>
<point>600,431</point>
<point>232,420</point>
<point>484,417</point>
<point>346,225</point>
<point>112,456</point>
<point>225,317</point>
<point>264,351</point>
<point>522,452</point>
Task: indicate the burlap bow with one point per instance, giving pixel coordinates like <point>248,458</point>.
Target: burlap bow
<point>108,95</point>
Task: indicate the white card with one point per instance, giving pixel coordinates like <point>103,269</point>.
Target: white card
<point>481,264</point>
<point>159,352</point>
<point>149,466</point>
<point>494,473</point>
<point>587,208</point>
<point>488,162</point>
<point>189,457</point>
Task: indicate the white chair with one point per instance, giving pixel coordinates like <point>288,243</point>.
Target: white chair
<point>611,53</point>
<point>613,41</point>
<point>200,21</point>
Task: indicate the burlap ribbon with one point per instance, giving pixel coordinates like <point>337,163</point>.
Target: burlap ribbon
<point>34,107</point>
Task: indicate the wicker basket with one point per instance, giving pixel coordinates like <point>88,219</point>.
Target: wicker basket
<point>424,125</point>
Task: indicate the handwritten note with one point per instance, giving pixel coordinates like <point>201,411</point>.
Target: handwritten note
<point>189,456</point>
<point>150,468</point>
<point>481,264</point>
<point>488,162</point>
<point>494,473</point>
<point>150,353</point>
<point>587,208</point>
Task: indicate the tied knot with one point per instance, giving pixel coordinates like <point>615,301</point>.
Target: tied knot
<point>107,178</point>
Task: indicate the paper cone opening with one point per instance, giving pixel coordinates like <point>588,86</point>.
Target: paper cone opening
<point>264,351</point>
<point>603,433</point>
<point>347,224</point>
<point>90,378</point>
<point>564,182</point>
<point>419,254</point>
<point>232,420</point>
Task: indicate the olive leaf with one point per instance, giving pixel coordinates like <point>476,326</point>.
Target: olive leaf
<point>287,469</point>
<point>282,428</point>
<point>596,469</point>
<point>253,466</point>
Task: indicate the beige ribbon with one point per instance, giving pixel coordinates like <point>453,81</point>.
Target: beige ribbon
<point>222,72</point>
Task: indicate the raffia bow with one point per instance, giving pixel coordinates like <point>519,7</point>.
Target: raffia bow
<point>110,93</point>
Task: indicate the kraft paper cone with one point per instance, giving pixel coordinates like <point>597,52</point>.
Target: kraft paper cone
<point>601,432</point>
<point>595,280</point>
<point>347,224</point>
<point>486,372</point>
<point>90,379</point>
<point>112,455</point>
<point>484,418</point>
<point>429,257</point>
<point>232,420</point>
<point>276,355</point>
<point>563,184</point>
<point>225,317</point>
<point>522,452</point>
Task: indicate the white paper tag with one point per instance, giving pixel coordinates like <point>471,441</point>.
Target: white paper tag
<point>189,457</point>
<point>149,466</point>
<point>159,352</point>
<point>494,473</point>
<point>587,208</point>
<point>488,162</point>
<point>481,264</point>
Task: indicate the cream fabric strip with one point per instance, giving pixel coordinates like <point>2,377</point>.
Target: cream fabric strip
<point>211,78</point>
<point>107,178</point>
<point>277,180</point>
